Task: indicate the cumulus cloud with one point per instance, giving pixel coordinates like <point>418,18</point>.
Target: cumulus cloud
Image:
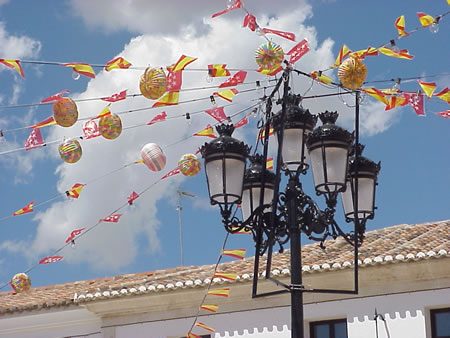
<point>16,47</point>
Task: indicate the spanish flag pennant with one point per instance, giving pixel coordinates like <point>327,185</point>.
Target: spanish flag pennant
<point>25,210</point>
<point>182,62</point>
<point>444,95</point>
<point>192,335</point>
<point>320,77</point>
<point>227,94</point>
<point>208,131</point>
<point>361,54</point>
<point>105,111</point>
<point>425,19</point>
<point>270,72</point>
<point>400,25</point>
<point>218,70</point>
<point>169,99</point>
<point>225,292</point>
<point>396,101</point>
<point>227,276</point>
<point>343,53</point>
<point>444,114</point>
<point>47,122</point>
<point>427,87</point>
<point>262,133</point>
<point>75,191</point>
<point>138,161</point>
<point>236,253</point>
<point>81,68</point>
<point>210,307</point>
<point>14,64</point>
<point>171,173</point>
<point>402,54</point>
<point>203,326</point>
<point>377,94</point>
<point>269,163</point>
<point>117,63</point>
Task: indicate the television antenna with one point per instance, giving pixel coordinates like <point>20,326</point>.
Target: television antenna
<point>179,208</point>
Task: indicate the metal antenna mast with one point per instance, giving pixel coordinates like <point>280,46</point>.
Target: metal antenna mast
<point>179,208</point>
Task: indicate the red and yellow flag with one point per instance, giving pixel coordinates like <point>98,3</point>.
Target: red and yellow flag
<point>343,53</point>
<point>47,122</point>
<point>225,292</point>
<point>105,111</point>
<point>319,76</point>
<point>425,19</point>
<point>400,25</point>
<point>182,62</point>
<point>402,54</point>
<point>377,94</point>
<point>269,163</point>
<point>81,68</point>
<point>270,72</point>
<point>14,64</point>
<point>202,325</point>
<point>208,131</point>
<point>227,94</point>
<point>396,101</point>
<point>262,133</point>
<point>25,210</point>
<point>444,95</point>
<point>75,191</point>
<point>218,70</point>
<point>236,253</point>
<point>427,87</point>
<point>210,307</point>
<point>193,335</point>
<point>369,51</point>
<point>117,63</point>
<point>169,99</point>
<point>227,276</point>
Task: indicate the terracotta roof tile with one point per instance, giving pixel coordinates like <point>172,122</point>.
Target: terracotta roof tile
<point>397,243</point>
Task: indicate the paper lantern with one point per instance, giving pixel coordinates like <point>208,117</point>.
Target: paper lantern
<point>352,73</point>
<point>153,83</point>
<point>153,157</point>
<point>189,165</point>
<point>269,56</point>
<point>110,126</point>
<point>70,151</point>
<point>20,282</point>
<point>65,112</point>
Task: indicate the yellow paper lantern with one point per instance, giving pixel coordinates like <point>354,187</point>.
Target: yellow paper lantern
<point>352,73</point>
<point>153,83</point>
<point>110,126</point>
<point>65,112</point>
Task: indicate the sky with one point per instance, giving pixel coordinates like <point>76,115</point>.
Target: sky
<point>413,182</point>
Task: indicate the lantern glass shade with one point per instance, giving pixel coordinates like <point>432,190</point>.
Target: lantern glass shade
<point>293,152</point>
<point>251,199</point>
<point>225,175</point>
<point>366,197</point>
<point>329,166</point>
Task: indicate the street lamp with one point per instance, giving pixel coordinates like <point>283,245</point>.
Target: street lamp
<point>278,217</point>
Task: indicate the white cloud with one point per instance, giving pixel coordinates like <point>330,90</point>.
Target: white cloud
<point>17,47</point>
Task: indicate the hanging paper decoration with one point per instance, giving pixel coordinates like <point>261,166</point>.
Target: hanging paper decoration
<point>204,326</point>
<point>377,94</point>
<point>319,76</point>
<point>250,22</point>
<point>189,165</point>
<point>236,4</point>
<point>400,25</point>
<point>55,97</point>
<point>227,276</point>
<point>402,54</point>
<point>370,51</point>
<point>90,129</point>
<point>158,118</point>
<point>236,79</point>
<point>132,197</point>
<point>70,150</point>
<point>218,70</point>
<point>20,282</point>
<point>269,163</point>
<point>210,307</point>
<point>208,131</point>
<point>110,126</point>
<point>396,101</point>
<point>343,53</point>
<point>182,62</point>
<point>298,51</point>
<point>352,73</point>
<point>242,122</point>
<point>416,101</point>
<point>444,114</point>
<point>170,99</point>
<point>236,253</point>
<point>217,113</point>
<point>34,140</point>
<point>427,87</point>
<point>270,72</point>
<point>105,111</point>
<point>444,95</point>
<point>116,97</point>
<point>47,122</point>
<point>227,94</point>
<point>74,234</point>
<point>113,218</point>
<point>75,191</point>
<point>25,210</point>
<point>174,80</point>
<point>171,173</point>
<point>425,19</point>
<point>224,292</point>
<point>269,56</point>
<point>286,35</point>
<point>153,157</point>
<point>81,68</point>
<point>153,83</point>
<point>50,259</point>
<point>14,64</point>
<point>117,63</point>
<point>65,112</point>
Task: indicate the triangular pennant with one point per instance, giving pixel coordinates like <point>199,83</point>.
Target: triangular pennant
<point>25,210</point>
<point>286,35</point>
<point>236,79</point>
<point>320,77</point>
<point>227,276</point>
<point>171,173</point>
<point>75,191</point>
<point>50,259</point>
<point>400,25</point>
<point>116,97</point>
<point>55,97</point>
<point>14,64</point>
<point>81,68</point>
<point>224,292</point>
<point>416,101</point>
<point>117,63</point>
<point>343,52</point>
<point>47,122</point>
<point>204,326</point>
<point>74,234</point>
<point>182,62</point>
<point>444,95</point>
<point>298,51</point>
<point>236,253</point>
<point>169,99</point>
<point>227,94</point>
<point>132,197</point>
<point>158,118</point>
<point>217,113</point>
<point>208,131</point>
<point>427,87</point>
<point>236,4</point>
<point>210,307</point>
<point>35,140</point>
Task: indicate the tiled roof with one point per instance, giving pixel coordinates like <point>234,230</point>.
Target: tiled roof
<point>400,243</point>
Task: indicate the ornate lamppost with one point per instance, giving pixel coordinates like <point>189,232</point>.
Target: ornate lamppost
<point>279,217</point>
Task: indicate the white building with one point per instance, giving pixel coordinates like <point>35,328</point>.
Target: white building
<point>404,277</point>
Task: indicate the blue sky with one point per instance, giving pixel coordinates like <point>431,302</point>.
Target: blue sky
<point>413,183</point>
